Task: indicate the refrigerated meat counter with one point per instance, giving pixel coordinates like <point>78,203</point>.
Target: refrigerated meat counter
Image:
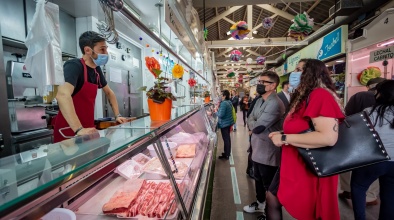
<point>141,169</point>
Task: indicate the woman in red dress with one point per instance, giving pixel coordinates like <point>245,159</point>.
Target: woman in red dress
<point>304,195</point>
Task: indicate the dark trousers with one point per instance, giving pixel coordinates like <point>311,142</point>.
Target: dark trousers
<point>226,140</point>
<point>263,175</point>
<point>362,178</point>
<point>250,151</point>
<point>244,113</point>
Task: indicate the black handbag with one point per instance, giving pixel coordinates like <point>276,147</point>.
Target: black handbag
<point>358,145</point>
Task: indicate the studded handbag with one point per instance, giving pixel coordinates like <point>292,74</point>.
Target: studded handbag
<point>358,145</point>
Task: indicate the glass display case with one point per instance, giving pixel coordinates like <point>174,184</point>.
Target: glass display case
<point>139,169</point>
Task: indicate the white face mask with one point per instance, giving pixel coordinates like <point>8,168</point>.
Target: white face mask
<point>294,81</point>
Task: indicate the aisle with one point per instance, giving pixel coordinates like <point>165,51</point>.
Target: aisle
<point>233,189</point>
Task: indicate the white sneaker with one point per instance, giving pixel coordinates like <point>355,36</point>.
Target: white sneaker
<point>255,207</point>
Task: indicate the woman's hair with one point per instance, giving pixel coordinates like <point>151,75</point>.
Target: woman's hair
<point>315,75</point>
<point>226,93</point>
<point>384,101</point>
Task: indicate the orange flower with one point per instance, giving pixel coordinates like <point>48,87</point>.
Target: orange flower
<point>153,65</point>
<point>177,71</point>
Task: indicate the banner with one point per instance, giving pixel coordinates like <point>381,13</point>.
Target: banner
<point>329,46</point>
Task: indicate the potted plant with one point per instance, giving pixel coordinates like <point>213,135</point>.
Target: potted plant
<point>159,96</point>
<point>207,97</point>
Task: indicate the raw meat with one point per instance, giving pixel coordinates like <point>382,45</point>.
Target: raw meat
<point>141,159</point>
<point>186,151</point>
<point>122,199</point>
<point>154,166</point>
<point>153,201</point>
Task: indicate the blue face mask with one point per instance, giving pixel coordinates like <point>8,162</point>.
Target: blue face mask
<point>101,60</point>
<point>294,81</point>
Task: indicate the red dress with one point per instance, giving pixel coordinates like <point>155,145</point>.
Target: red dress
<point>304,195</point>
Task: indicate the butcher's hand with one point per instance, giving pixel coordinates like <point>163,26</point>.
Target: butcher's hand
<point>121,120</point>
<point>86,131</point>
<point>276,138</point>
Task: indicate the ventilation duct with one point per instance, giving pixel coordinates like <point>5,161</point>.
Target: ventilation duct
<point>345,7</point>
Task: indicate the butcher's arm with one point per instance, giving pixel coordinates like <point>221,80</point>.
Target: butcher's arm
<point>67,108</point>
<point>66,105</point>
<point>113,102</point>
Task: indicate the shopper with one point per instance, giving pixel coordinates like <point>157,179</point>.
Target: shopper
<point>245,105</point>
<point>273,209</point>
<point>284,95</point>
<point>357,103</point>
<point>304,195</point>
<point>77,96</point>
<point>382,117</point>
<point>225,115</point>
<point>265,118</point>
<point>235,101</point>
<point>249,169</point>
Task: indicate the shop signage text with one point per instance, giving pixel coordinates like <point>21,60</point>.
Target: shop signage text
<point>331,45</point>
<point>381,54</point>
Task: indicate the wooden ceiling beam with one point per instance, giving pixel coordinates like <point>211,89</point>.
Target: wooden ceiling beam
<point>249,12</point>
<point>275,10</point>
<point>222,15</point>
<point>276,19</point>
<point>258,18</point>
<point>219,34</point>
<point>313,6</point>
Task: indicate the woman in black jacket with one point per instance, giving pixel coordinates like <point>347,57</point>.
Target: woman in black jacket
<point>245,105</point>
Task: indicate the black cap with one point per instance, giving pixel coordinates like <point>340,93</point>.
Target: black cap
<point>375,81</point>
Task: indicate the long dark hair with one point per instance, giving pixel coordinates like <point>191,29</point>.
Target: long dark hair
<point>315,75</point>
<point>384,101</point>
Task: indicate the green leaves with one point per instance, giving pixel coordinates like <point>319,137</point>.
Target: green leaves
<point>157,72</point>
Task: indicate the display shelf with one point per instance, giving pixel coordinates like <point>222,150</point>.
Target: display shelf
<point>74,169</point>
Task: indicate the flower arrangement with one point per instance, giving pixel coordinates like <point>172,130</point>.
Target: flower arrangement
<point>206,94</point>
<point>177,71</point>
<point>159,92</point>
<point>239,30</point>
<point>192,82</point>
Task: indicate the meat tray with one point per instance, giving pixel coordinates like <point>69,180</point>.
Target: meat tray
<point>92,209</point>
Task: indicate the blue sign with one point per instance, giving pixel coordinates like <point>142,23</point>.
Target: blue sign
<point>331,45</point>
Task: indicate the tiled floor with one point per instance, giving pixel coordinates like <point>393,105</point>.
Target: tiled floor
<point>223,206</point>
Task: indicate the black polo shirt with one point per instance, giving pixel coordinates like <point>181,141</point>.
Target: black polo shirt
<point>73,74</point>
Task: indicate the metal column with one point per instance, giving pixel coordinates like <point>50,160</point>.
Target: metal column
<point>5,125</point>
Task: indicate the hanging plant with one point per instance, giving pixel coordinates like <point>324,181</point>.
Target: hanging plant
<point>249,60</point>
<point>239,30</point>
<point>260,60</point>
<point>205,33</point>
<point>268,23</point>
<point>192,82</point>
<point>153,66</point>
<point>235,55</point>
<point>302,26</point>
<point>249,71</point>
<point>177,71</point>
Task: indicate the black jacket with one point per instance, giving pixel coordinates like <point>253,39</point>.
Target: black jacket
<point>242,105</point>
<point>235,100</point>
<point>286,103</point>
<point>359,101</point>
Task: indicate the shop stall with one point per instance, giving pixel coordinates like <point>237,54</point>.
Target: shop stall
<point>371,55</point>
<point>141,169</point>
<point>329,49</point>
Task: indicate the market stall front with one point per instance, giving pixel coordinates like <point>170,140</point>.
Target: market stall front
<point>371,55</point>
<point>139,169</point>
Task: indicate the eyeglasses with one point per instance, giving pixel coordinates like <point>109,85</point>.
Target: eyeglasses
<point>264,82</point>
